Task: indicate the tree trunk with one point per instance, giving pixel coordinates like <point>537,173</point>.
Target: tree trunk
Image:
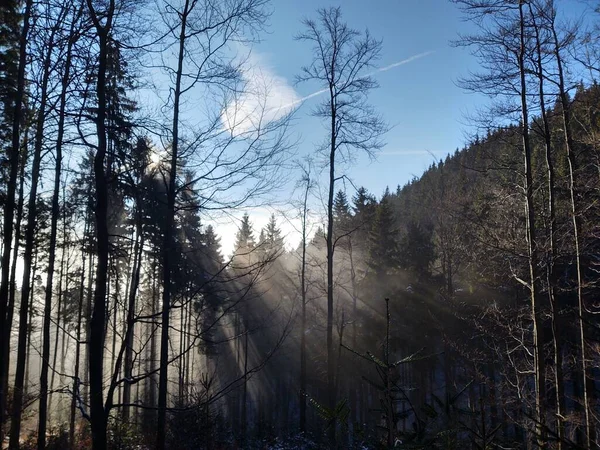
<point>9,207</point>
<point>532,243</point>
<point>244,428</point>
<point>15,426</point>
<point>551,254</point>
<point>330,250</point>
<point>7,336</point>
<point>76,381</point>
<point>587,383</point>
<point>131,305</point>
<point>168,242</point>
<point>303,320</point>
<point>98,415</point>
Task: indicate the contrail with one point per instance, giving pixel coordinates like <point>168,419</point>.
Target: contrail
<point>401,63</point>
<point>381,69</point>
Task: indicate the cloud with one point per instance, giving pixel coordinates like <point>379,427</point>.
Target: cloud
<point>266,97</point>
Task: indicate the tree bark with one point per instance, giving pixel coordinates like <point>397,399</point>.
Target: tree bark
<point>168,241</point>
<point>532,245</point>
<point>98,415</point>
<point>15,426</point>
<point>551,254</point>
<point>587,382</point>
<point>9,207</point>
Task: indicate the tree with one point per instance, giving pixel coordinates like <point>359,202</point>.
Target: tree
<point>103,24</point>
<point>9,208</point>
<point>244,238</point>
<point>341,57</point>
<point>505,49</point>
<point>30,234</point>
<point>558,50</point>
<point>270,241</point>
<point>199,34</point>
<point>383,247</point>
<point>65,80</point>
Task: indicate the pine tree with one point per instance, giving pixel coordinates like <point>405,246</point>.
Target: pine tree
<point>341,210</point>
<point>364,207</point>
<point>10,28</point>
<point>417,249</point>
<point>270,240</point>
<point>244,238</point>
<point>383,247</point>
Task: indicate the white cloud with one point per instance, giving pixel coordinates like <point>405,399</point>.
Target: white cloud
<point>266,97</point>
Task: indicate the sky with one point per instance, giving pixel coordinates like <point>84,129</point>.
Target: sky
<point>418,94</point>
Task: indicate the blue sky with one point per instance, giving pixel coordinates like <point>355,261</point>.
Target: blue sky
<point>420,100</point>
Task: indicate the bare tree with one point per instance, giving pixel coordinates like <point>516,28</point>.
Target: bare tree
<point>49,45</point>
<point>307,183</point>
<point>504,47</point>
<point>342,56</point>
<point>65,79</point>
<point>199,33</point>
<point>103,23</point>
<point>8,225</point>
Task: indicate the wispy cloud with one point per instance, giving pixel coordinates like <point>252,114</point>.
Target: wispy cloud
<point>265,98</point>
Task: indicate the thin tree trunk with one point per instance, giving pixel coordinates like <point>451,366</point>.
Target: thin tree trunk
<point>534,277</point>
<point>98,415</point>
<point>15,426</point>
<point>330,249</point>
<point>587,385</point>
<point>245,391</point>
<point>9,207</point>
<point>30,319</point>
<point>153,346</point>
<point>303,324</point>
<point>76,380</point>
<point>168,241</point>
<point>7,337</point>
<point>56,334</point>
<point>88,316</point>
<point>135,280</point>
<point>551,254</point>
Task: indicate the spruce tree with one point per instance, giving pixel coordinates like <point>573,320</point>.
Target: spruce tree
<point>244,239</point>
<point>383,247</point>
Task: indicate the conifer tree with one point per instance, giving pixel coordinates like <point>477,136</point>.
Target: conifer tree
<point>244,238</point>
<point>383,247</point>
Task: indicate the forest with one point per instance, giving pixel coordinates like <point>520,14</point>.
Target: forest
<point>459,310</point>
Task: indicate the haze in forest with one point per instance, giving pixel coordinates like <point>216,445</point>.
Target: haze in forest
<point>263,224</point>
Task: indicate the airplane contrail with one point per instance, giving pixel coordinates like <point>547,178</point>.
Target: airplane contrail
<point>401,63</point>
<point>381,69</point>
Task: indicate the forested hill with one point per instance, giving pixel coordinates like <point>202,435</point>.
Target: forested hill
<point>465,216</point>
